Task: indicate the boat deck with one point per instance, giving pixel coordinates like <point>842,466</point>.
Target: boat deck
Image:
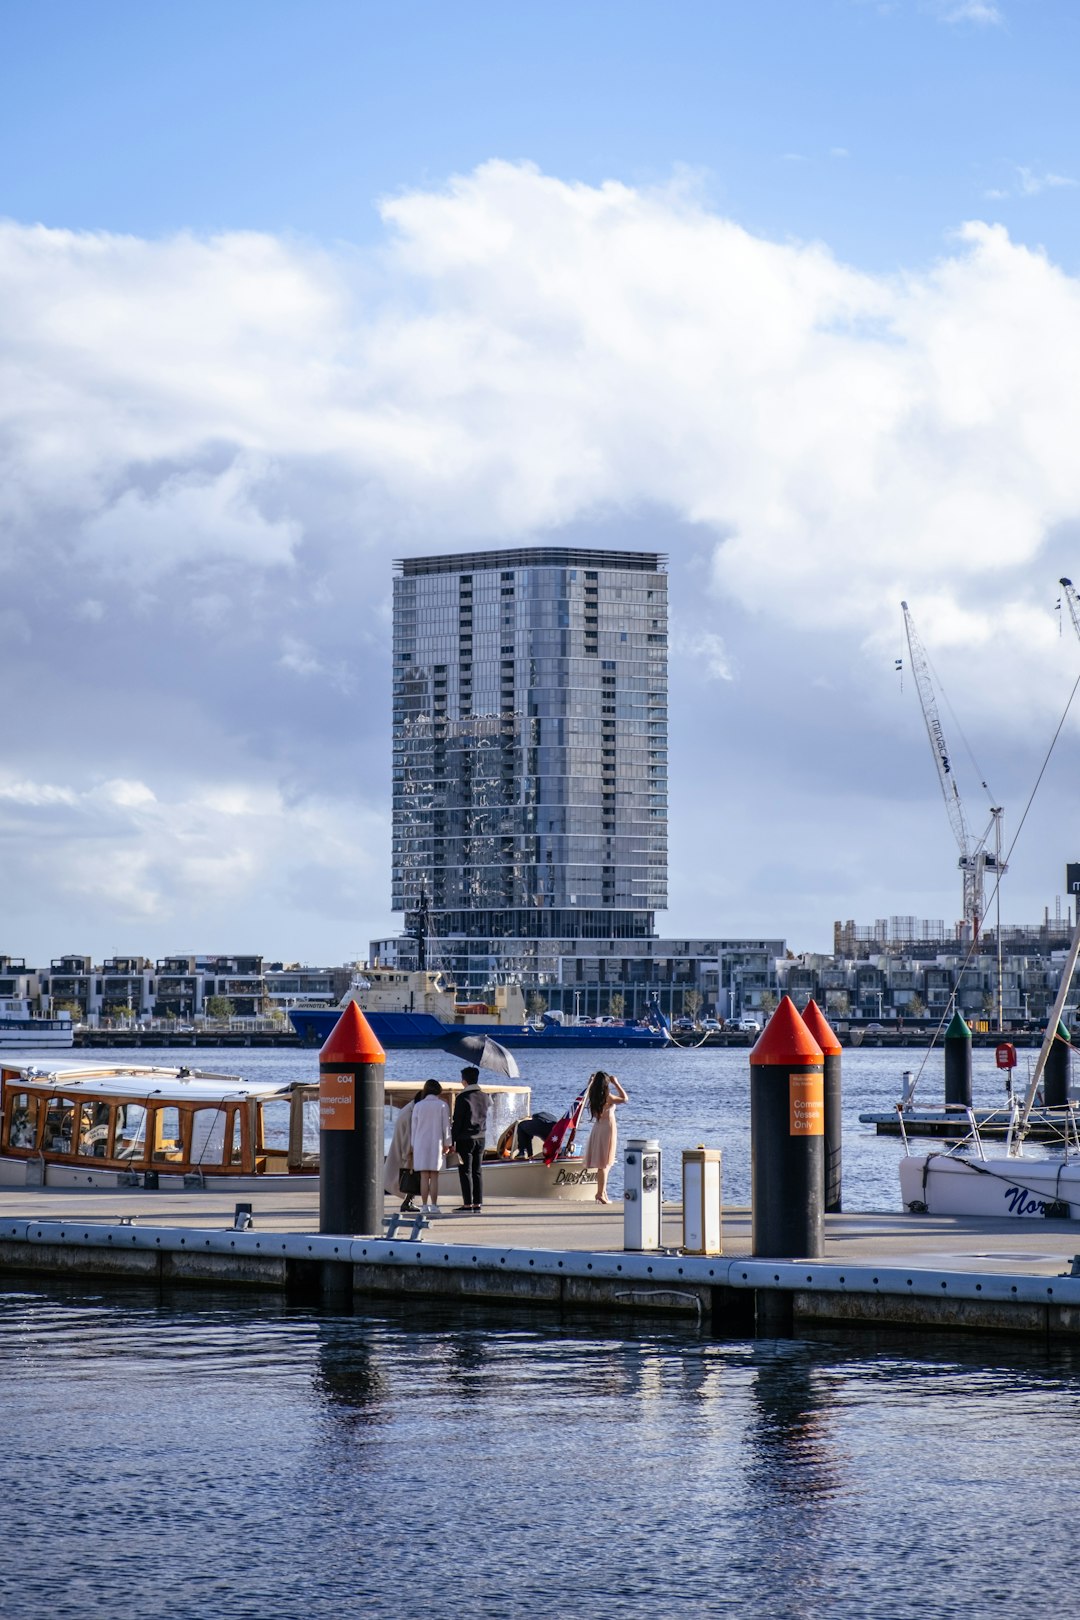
<point>1043,1125</point>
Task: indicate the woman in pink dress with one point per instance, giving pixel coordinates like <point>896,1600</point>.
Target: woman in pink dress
<point>605,1095</point>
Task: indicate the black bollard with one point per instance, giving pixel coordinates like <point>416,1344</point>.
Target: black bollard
<point>787,1140</point>
<point>958,1063</point>
<point>351,1127</point>
<point>819,1027</point>
<point>1056,1071</point>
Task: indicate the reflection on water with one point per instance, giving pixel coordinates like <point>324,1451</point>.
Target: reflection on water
<point>190,1455</point>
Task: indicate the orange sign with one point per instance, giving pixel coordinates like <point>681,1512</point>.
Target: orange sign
<point>337,1102</point>
<point>806,1099</point>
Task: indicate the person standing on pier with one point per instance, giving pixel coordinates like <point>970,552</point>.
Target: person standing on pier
<point>605,1095</point>
<point>430,1131</point>
<point>469,1132</point>
<point>399,1156</point>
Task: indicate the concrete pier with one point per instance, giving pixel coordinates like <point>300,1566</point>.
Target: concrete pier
<point>918,1272</point>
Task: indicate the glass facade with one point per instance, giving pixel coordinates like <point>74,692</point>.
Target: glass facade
<point>530,749</point>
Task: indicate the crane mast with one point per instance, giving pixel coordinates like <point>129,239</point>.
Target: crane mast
<point>1073,600</point>
<point>975,858</point>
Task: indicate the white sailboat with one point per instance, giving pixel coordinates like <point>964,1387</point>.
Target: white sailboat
<point>1016,1178</point>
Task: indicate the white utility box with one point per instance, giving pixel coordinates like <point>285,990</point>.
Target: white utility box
<point>702,1204</point>
<point>642,1194</point>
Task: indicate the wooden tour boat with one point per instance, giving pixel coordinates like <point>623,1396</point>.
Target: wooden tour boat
<point>116,1126</point>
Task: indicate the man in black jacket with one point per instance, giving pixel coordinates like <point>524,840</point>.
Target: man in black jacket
<point>468,1130</point>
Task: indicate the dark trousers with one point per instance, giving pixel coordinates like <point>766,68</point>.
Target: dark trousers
<point>471,1154</point>
<point>528,1130</point>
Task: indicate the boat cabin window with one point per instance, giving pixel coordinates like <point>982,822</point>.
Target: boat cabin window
<point>22,1120</point>
<point>93,1130</point>
<point>168,1135</point>
<point>129,1141</point>
<point>208,1134</point>
<point>59,1113</point>
<point>311,1127</point>
<point>274,1118</point>
<point>215,1136</point>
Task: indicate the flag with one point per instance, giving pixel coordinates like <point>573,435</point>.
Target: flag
<point>562,1133</point>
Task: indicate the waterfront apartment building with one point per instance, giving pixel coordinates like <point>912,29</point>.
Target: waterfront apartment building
<point>177,987</point>
<point>529,756</point>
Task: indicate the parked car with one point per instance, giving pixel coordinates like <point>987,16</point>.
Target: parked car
<point>743,1026</point>
<point>712,1026</point>
<point>874,1029</point>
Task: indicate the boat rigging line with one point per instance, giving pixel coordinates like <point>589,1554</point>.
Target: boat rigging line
<point>950,1006</point>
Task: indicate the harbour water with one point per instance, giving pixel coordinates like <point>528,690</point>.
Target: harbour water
<point>189,1455</point>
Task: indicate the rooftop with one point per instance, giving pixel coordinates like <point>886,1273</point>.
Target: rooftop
<point>458,562</point>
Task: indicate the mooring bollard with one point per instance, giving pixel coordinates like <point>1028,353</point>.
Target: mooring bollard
<point>1056,1071</point>
<point>820,1029</point>
<point>787,1137</point>
<point>352,1106</point>
<point>958,1063</point>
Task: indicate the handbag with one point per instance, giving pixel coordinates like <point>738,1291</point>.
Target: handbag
<point>408,1182</point>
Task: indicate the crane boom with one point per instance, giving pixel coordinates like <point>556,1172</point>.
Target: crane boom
<point>920,668</point>
<point>974,856</point>
<point>1073,600</point>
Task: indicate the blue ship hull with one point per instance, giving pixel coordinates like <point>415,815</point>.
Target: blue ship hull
<point>413,1031</point>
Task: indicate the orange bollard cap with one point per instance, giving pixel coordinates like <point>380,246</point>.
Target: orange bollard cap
<point>351,1041</point>
<point>820,1029</point>
<point>786,1039</point>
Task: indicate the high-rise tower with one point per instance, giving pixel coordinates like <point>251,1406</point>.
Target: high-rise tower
<point>530,753</point>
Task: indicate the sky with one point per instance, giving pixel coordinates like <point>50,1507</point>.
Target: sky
<point>789,290</point>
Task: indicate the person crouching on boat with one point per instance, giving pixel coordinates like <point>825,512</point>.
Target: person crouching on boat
<point>605,1095</point>
<point>430,1135</point>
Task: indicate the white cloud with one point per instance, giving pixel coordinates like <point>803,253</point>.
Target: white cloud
<point>1031,184</point>
<point>540,352</point>
<point>707,652</point>
<point>242,432</point>
<point>984,12</point>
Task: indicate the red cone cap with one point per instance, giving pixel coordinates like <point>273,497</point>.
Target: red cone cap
<point>351,1040</point>
<point>820,1029</point>
<point>786,1039</point>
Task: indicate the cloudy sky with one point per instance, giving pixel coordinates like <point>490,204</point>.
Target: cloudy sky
<point>788,290</point>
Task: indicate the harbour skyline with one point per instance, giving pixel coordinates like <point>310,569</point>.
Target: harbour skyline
<point>786,293</point>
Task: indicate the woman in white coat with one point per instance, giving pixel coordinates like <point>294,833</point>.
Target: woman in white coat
<point>399,1154</point>
<point>430,1129</point>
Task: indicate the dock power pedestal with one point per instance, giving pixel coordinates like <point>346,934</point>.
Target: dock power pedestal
<point>642,1194</point>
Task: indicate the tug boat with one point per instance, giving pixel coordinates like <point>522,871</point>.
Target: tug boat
<point>116,1126</point>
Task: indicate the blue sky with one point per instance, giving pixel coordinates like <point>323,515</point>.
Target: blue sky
<point>876,127</point>
<point>787,290</point>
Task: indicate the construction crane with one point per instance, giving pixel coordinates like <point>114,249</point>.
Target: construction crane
<point>1073,600</point>
<point>976,859</point>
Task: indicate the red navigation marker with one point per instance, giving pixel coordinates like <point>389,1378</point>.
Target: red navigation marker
<point>352,1110</point>
<point>785,1039</point>
<point>351,1040</point>
<point>787,1140</point>
<point>820,1029</point>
